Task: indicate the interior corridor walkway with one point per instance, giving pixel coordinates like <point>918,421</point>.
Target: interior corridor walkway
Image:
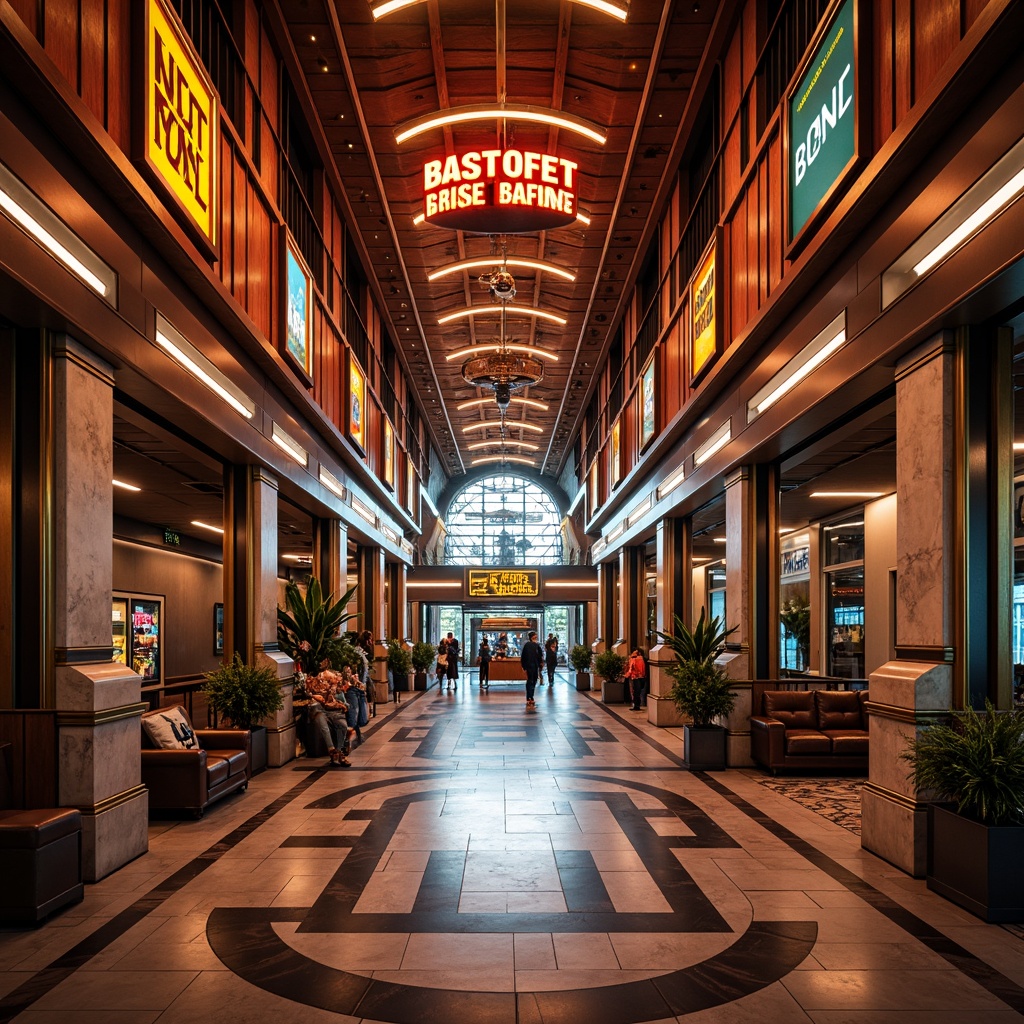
<point>482,864</point>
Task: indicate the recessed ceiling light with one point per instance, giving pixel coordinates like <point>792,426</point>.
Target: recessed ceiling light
<point>846,494</point>
<point>207,526</point>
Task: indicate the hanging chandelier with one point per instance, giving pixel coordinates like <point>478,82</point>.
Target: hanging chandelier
<point>502,371</point>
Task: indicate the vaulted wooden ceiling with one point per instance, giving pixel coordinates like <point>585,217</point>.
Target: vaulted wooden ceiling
<point>632,79</point>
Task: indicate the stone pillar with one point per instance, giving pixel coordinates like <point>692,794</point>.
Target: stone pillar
<point>373,606</point>
<point>629,598</point>
<point>371,594</point>
<point>253,571</point>
<point>98,701</point>
<point>398,618</point>
<point>751,552</point>
<point>915,689</point>
<point>674,590</point>
<point>330,556</point>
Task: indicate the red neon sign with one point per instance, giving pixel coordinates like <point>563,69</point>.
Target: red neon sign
<point>501,191</point>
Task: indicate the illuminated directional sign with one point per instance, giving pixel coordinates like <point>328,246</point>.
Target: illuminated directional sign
<point>503,582</point>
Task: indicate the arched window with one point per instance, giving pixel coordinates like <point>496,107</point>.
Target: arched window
<point>503,520</point>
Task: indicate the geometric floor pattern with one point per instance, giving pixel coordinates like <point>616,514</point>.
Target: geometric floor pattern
<point>479,863</point>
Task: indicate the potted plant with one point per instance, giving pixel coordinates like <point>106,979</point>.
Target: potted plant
<point>795,617</point>
<point>580,658</point>
<point>423,655</point>
<point>974,766</point>
<point>611,667</point>
<point>700,689</point>
<point>245,694</point>
<point>308,627</point>
<point>399,666</point>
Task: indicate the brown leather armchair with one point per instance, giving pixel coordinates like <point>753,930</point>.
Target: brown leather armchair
<point>191,780</point>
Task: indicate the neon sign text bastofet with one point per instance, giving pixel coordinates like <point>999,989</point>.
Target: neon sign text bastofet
<point>500,190</point>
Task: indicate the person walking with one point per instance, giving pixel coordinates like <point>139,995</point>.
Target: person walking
<point>636,676</point>
<point>532,660</point>
<point>453,662</point>
<point>483,659</point>
<point>551,657</point>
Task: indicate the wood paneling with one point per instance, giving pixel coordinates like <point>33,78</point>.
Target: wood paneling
<point>60,38</point>
<point>118,72</point>
<point>27,10</point>
<point>33,762</point>
<point>936,35</point>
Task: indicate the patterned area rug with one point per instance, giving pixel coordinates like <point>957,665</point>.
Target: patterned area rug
<point>835,799</point>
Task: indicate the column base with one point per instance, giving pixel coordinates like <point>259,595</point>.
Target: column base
<point>281,745</point>
<point>662,712</point>
<point>114,835</point>
<point>894,829</point>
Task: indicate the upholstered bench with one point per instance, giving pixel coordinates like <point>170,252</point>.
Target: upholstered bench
<point>40,863</point>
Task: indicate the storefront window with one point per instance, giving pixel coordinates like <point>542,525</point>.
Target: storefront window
<point>716,590</point>
<point>651,590</point>
<point>844,541</point>
<point>795,604</point>
<point>845,622</point>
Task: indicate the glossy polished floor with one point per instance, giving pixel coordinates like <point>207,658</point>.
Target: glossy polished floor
<point>482,864</point>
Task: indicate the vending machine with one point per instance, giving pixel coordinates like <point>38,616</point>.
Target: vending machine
<point>136,624</point>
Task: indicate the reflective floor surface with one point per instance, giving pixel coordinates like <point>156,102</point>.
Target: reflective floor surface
<point>481,863</point>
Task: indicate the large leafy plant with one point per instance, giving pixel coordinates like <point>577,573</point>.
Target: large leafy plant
<point>308,627</point>
<point>700,688</point>
<point>423,655</point>
<point>610,666</point>
<point>580,657</point>
<point>244,693</point>
<point>399,659</point>
<point>975,761</point>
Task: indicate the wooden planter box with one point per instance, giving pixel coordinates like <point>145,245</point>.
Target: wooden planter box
<point>704,747</point>
<point>977,867</point>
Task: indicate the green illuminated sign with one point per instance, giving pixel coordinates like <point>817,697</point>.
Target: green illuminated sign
<point>823,121</point>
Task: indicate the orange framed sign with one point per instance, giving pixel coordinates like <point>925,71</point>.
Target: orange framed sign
<point>356,403</point>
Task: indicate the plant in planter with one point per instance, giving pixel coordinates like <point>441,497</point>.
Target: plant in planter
<point>399,665</point>
<point>974,765</point>
<point>245,694</point>
<point>423,655</point>
<point>611,667</point>
<point>580,657</point>
<point>308,627</point>
<point>795,617</point>
<point>700,689</point>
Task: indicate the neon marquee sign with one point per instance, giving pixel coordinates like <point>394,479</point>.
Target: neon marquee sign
<point>500,191</point>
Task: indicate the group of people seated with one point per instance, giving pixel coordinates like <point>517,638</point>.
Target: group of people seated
<point>338,703</point>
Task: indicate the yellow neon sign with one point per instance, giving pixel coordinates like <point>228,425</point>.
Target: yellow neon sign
<point>181,120</point>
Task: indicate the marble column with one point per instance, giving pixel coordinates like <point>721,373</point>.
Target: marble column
<point>98,701</point>
<point>909,693</point>
<point>373,605</point>
<point>260,604</point>
<point>673,544</point>
<point>398,618</point>
<point>331,556</point>
<point>751,596</point>
<point>630,596</point>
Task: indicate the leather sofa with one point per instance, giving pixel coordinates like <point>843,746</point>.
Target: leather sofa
<point>811,730</point>
<point>190,780</point>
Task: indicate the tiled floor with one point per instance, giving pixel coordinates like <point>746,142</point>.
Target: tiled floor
<point>483,864</point>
